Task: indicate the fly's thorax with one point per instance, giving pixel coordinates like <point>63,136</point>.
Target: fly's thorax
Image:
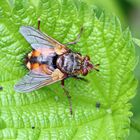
<point>70,63</point>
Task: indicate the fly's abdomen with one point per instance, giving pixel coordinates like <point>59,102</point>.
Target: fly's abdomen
<point>32,61</point>
<point>69,63</point>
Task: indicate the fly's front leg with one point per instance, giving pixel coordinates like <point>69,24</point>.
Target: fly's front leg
<point>77,39</point>
<point>39,24</point>
<point>79,78</point>
<point>68,96</point>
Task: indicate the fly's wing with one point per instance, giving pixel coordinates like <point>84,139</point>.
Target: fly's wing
<point>41,41</point>
<point>35,80</point>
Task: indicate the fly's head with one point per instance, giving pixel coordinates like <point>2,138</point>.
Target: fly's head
<point>88,66</point>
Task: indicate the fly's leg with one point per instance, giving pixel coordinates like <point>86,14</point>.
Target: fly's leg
<point>77,39</point>
<point>68,96</point>
<point>79,78</point>
<point>39,24</point>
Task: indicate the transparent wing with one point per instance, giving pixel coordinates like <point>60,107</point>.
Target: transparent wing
<point>34,80</point>
<point>38,39</point>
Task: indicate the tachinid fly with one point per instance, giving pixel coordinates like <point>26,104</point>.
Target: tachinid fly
<point>51,61</point>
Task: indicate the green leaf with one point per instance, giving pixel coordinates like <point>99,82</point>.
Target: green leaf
<point>134,130</point>
<point>136,41</point>
<point>44,114</point>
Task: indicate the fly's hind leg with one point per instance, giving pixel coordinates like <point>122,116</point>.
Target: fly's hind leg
<point>38,24</point>
<point>68,96</point>
<point>77,39</point>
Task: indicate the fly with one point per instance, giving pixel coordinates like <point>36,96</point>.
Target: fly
<point>51,61</point>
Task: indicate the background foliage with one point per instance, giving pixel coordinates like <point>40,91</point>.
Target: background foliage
<point>129,13</point>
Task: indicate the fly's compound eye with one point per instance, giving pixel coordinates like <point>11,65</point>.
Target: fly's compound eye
<point>87,58</point>
<point>84,72</point>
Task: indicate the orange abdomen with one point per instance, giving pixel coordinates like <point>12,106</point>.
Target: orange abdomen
<point>36,59</point>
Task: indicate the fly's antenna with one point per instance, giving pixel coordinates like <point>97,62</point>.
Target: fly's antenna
<point>96,67</point>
